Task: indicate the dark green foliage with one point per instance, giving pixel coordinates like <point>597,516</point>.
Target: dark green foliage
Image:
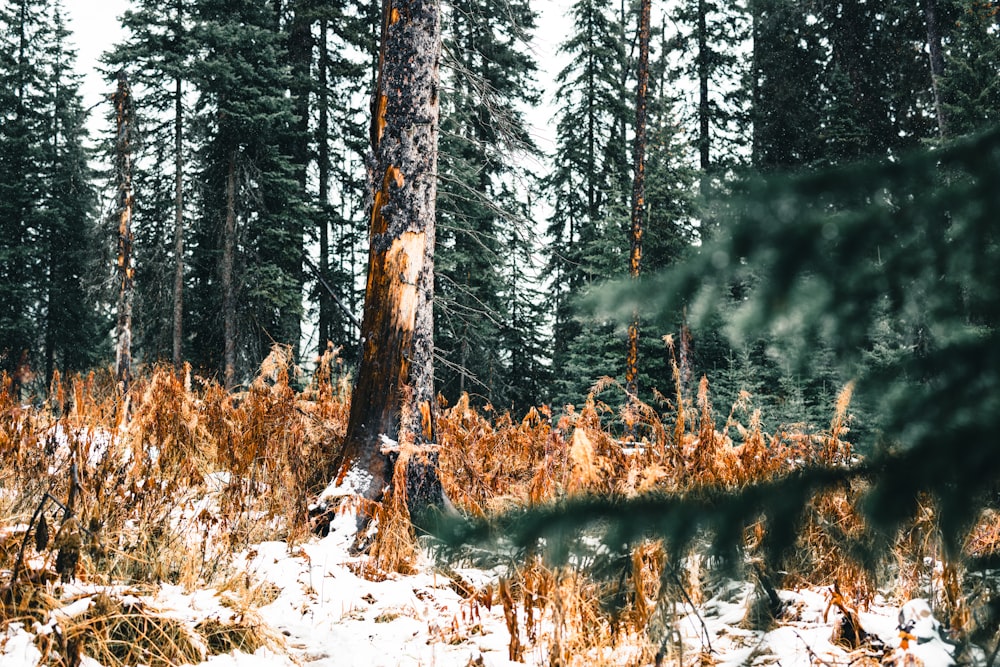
<point>50,312</point>
<point>157,57</point>
<point>245,118</point>
<point>894,262</point>
<point>902,251</point>
<point>970,84</point>
<point>589,188</point>
<point>486,332</point>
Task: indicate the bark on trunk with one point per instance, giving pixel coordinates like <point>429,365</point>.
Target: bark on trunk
<point>394,393</point>
<point>936,57</point>
<point>323,164</point>
<point>178,336</point>
<point>228,289</point>
<point>125,271</point>
<point>704,141</point>
<point>638,192</point>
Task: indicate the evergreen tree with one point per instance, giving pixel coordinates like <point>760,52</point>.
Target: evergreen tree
<point>970,83</point>
<point>74,327</point>
<point>246,256</point>
<point>24,34</point>
<point>483,138</point>
<point>49,315</point>
<point>708,38</point>
<point>157,57</point>
<point>786,84</point>
<point>879,99</point>
<point>589,189</point>
<point>341,141</point>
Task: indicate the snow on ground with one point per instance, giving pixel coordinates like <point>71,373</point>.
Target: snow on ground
<point>324,615</point>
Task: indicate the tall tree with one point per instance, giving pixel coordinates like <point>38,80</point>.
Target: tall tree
<point>588,188</point>
<point>49,315</point>
<point>970,83</point>
<point>246,261</point>
<point>74,330</point>
<point>708,38</point>
<point>24,32</point>
<point>484,140</point>
<point>125,264</point>
<point>638,189</point>
<point>394,393</point>
<point>786,84</point>
<point>157,54</point>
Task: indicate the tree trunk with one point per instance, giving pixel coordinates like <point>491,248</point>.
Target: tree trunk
<point>178,226</point>
<point>323,165</point>
<point>228,288</point>
<point>125,270</point>
<point>704,141</point>
<point>394,393</point>
<point>936,62</point>
<point>638,192</point>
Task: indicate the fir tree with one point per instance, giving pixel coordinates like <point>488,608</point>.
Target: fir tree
<point>483,139</point>
<point>157,57</point>
<point>589,188</point>
<point>246,255</point>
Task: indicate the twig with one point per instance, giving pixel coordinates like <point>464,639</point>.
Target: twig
<point>812,653</point>
<point>704,627</point>
<point>27,534</point>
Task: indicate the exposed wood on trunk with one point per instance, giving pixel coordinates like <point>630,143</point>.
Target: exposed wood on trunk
<point>394,393</point>
<point>226,269</point>
<point>638,191</point>
<point>125,269</point>
<point>178,332</point>
<point>936,57</point>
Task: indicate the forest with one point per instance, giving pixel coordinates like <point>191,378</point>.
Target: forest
<point>730,315</point>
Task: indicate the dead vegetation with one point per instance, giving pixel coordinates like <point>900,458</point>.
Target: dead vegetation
<point>197,473</point>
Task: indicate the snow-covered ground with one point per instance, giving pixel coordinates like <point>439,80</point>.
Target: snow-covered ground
<point>318,611</point>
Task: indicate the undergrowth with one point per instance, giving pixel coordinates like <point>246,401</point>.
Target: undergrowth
<point>166,484</point>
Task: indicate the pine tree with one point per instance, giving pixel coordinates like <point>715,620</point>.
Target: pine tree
<point>157,58</point>
<point>589,189</point>
<point>74,330</point>
<point>246,255</point>
<point>394,393</point>
<point>970,82</point>
<point>23,32</point>
<point>878,90</point>
<point>340,138</point>
<point>49,315</point>
<point>483,138</point>
<point>708,39</point>
<point>786,84</point>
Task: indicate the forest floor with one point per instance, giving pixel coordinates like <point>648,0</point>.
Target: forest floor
<point>317,604</point>
<point>181,535</point>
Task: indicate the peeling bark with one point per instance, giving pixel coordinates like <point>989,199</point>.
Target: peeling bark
<point>638,192</point>
<point>125,269</point>
<point>394,393</point>
<point>226,269</point>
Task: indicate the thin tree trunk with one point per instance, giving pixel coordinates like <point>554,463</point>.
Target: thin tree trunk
<point>937,63</point>
<point>300,44</point>
<point>178,337</point>
<point>394,393</point>
<point>638,192</point>
<point>704,141</point>
<point>125,270</point>
<point>323,139</point>
<point>228,289</point>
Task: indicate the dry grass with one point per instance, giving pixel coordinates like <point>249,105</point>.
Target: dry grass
<point>197,473</point>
